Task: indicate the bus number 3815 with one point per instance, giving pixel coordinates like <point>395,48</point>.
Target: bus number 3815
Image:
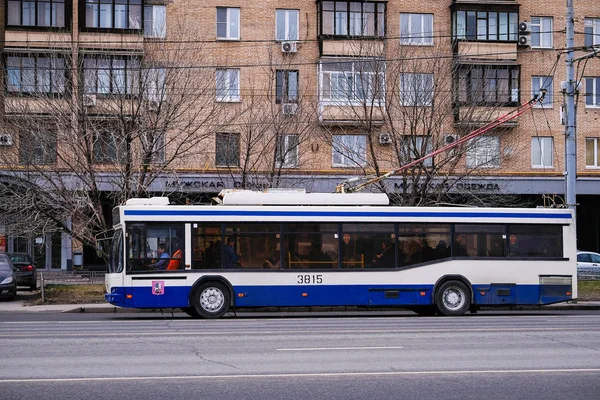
<point>309,279</point>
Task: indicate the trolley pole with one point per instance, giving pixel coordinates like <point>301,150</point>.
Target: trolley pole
<point>571,122</point>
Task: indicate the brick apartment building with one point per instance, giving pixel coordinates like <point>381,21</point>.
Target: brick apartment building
<point>107,99</point>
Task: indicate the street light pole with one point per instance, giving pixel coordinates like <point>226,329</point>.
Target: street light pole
<point>571,122</point>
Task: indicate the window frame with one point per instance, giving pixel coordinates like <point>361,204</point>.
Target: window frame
<point>379,18</point>
<point>539,25</point>
<point>347,153</point>
<point>471,33</point>
<point>229,97</point>
<point>286,16</point>
<point>411,144</point>
<point>46,145</point>
<point>128,6</point>
<point>103,136</point>
<point>133,73</point>
<point>543,82</point>
<point>591,29</point>
<point>422,39</point>
<point>37,70</point>
<point>228,22</point>
<point>470,93</point>
<point>231,136</point>
<point>596,152</point>
<point>66,17</point>
<point>541,146</point>
<point>284,151</point>
<point>161,32</point>
<point>472,156</point>
<point>421,97</point>
<point>347,79</point>
<point>282,86</point>
<point>595,92</point>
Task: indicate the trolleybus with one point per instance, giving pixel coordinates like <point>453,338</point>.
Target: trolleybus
<point>298,249</point>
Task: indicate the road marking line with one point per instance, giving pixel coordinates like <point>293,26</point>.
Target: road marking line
<point>342,348</point>
<point>309,375</point>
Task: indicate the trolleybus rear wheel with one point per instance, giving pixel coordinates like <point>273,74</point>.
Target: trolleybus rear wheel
<point>453,298</point>
<point>211,300</point>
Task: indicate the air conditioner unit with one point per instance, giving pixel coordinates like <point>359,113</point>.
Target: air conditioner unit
<point>524,40</point>
<point>6,139</point>
<point>524,27</point>
<point>385,138</point>
<point>508,152</point>
<point>289,108</point>
<point>289,47</point>
<point>89,100</point>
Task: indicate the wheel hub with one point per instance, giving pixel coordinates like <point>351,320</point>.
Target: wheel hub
<point>212,299</point>
<point>453,299</point>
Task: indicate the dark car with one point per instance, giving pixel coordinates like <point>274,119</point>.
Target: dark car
<point>26,270</point>
<point>8,280</point>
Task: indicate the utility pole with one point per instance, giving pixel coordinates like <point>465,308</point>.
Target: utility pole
<point>571,122</point>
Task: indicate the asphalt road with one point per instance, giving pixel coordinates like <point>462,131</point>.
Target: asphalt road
<point>137,356</point>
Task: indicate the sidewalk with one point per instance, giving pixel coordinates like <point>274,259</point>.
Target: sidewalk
<point>20,306</point>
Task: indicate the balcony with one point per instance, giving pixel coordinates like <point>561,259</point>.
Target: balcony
<point>480,116</point>
<point>340,115</point>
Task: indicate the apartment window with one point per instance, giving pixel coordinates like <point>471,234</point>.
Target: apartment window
<point>483,151</point>
<point>228,85</point>
<point>228,23</point>
<point>350,82</point>
<point>485,25</point>
<point>352,18</point>
<point>542,152</point>
<point>108,144</point>
<point>592,152</point>
<point>286,86</point>
<point>541,32</point>
<point>416,29</point>
<point>155,21</point>
<point>416,89</point>
<point>154,146</point>
<point>227,150</point>
<point>592,92</point>
<point>591,31</point>
<point>35,74</point>
<point>488,85</point>
<point>287,151</point>
<point>349,151</point>
<point>154,84</point>
<point>113,14</point>
<point>414,147</point>
<point>38,13</point>
<point>37,148</point>
<point>286,25</point>
<point>542,82</point>
<point>111,75</point>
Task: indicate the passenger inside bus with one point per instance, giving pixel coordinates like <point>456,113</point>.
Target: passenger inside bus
<point>175,262</point>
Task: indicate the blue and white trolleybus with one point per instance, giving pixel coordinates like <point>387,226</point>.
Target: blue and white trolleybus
<point>291,248</point>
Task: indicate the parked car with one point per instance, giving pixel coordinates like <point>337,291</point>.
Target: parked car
<point>26,270</point>
<point>588,263</point>
<point>8,280</point>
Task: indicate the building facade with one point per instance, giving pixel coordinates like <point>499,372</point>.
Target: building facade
<point>108,99</point>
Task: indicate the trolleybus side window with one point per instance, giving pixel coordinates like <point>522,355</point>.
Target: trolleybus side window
<point>256,244</point>
<point>310,245</point>
<point>535,241</point>
<point>207,245</point>
<point>367,246</point>
<point>419,243</point>
<point>154,247</point>
<point>480,240</point>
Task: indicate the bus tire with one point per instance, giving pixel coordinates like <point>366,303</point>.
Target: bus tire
<point>191,311</point>
<point>453,298</point>
<point>211,300</point>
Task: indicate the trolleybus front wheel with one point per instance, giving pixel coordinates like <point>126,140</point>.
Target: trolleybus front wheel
<point>211,300</point>
<point>453,298</point>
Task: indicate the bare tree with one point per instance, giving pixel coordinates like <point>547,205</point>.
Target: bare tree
<point>106,134</point>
